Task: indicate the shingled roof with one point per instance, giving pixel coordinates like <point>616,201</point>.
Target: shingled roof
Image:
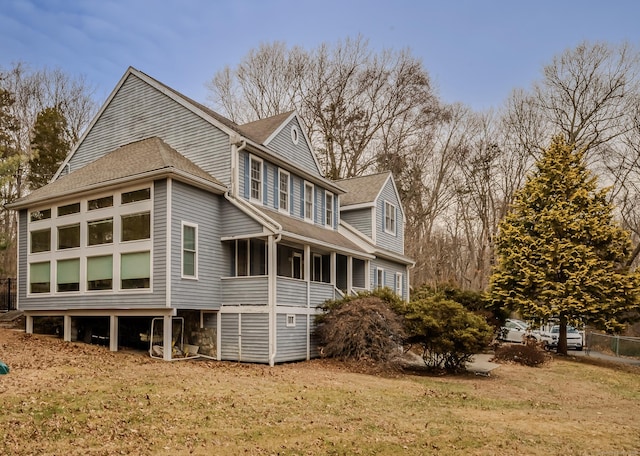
<point>296,227</point>
<point>260,130</point>
<point>362,190</point>
<point>148,157</point>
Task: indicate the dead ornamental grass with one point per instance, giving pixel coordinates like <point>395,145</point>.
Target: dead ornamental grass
<point>73,399</point>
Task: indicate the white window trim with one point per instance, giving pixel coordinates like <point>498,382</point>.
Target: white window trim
<point>182,250</point>
<point>282,172</point>
<point>115,249</point>
<point>295,135</point>
<point>380,274</point>
<point>389,205</point>
<point>253,158</point>
<point>307,186</point>
<point>291,320</point>
<point>399,280</point>
<point>328,207</point>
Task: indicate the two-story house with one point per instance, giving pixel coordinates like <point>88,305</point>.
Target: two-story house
<point>166,211</point>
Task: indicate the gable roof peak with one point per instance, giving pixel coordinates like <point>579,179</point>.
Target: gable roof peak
<point>263,129</point>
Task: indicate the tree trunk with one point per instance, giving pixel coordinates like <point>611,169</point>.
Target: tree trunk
<point>562,336</point>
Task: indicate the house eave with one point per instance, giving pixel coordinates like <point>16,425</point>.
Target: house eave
<point>150,175</point>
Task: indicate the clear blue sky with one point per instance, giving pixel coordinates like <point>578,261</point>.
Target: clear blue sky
<point>476,52</point>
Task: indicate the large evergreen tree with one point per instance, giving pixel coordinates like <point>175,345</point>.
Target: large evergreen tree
<point>49,146</point>
<point>559,253</point>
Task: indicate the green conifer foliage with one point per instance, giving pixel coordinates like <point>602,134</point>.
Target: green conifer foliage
<point>559,253</point>
<point>49,146</point>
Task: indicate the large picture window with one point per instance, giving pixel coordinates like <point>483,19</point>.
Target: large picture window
<point>256,179</point>
<point>100,273</point>
<point>40,277</point>
<point>41,241</point>
<point>189,251</point>
<point>68,275</point>
<point>136,226</point>
<point>135,270</point>
<point>100,232</point>
<point>69,236</point>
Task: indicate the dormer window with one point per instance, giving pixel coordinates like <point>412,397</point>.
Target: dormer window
<point>389,218</point>
<point>256,179</point>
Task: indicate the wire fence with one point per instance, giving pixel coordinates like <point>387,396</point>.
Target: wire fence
<point>614,345</point>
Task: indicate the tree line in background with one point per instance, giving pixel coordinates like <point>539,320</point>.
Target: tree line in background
<point>43,112</point>
<point>457,170</point>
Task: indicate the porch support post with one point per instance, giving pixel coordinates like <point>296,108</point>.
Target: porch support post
<point>349,274</point>
<point>333,268</point>
<point>367,272</point>
<point>66,327</point>
<point>28,324</point>
<point>167,329</point>
<point>273,296</point>
<point>113,333</point>
<point>307,276</point>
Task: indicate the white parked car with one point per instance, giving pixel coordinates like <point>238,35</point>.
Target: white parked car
<point>515,331</point>
<point>550,336</point>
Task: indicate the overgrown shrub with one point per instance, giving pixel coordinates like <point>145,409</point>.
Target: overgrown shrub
<point>448,334</point>
<point>528,354</point>
<point>474,301</point>
<point>362,327</point>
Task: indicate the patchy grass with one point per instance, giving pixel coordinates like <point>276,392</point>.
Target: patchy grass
<point>68,398</point>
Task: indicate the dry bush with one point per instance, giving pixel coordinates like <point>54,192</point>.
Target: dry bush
<point>527,354</point>
<point>364,328</point>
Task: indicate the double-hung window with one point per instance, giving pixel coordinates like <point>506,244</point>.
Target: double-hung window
<point>308,201</point>
<point>399,284</point>
<point>328,202</point>
<point>389,218</point>
<point>256,179</point>
<point>189,250</point>
<point>283,187</point>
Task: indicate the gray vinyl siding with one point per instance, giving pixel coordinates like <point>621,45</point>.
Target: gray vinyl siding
<point>392,242</point>
<point>245,337</point>
<point>292,292</point>
<point>22,259</point>
<point>234,222</point>
<point>229,337</point>
<point>270,195</point>
<point>291,342</point>
<point>249,290</point>
<point>360,219</point>
<point>196,206</point>
<point>120,300</point>
<point>254,338</point>
<point>139,111</point>
<point>390,270</point>
<point>320,292</point>
<point>300,153</point>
